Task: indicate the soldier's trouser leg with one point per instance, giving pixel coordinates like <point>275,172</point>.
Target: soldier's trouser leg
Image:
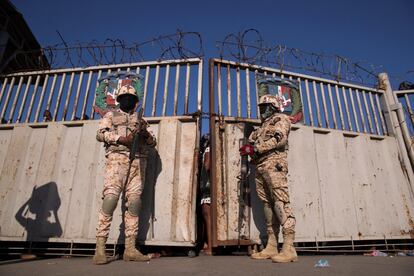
<point>114,175</point>
<point>276,177</point>
<point>272,227</point>
<point>133,191</point>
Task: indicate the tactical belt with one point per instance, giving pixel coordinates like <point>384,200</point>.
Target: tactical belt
<point>262,156</point>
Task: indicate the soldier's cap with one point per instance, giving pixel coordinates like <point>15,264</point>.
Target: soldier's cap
<point>274,100</point>
<point>126,90</point>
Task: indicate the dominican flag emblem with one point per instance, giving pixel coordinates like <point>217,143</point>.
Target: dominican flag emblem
<point>287,90</point>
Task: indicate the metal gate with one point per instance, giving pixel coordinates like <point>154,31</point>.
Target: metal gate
<point>349,175</point>
<point>52,172</point>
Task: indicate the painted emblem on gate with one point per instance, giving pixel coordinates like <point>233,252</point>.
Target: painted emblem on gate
<point>108,85</point>
<point>288,90</point>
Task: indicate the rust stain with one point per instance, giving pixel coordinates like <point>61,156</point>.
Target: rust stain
<point>410,220</point>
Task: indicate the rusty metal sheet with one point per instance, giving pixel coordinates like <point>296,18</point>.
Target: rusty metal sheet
<point>304,185</point>
<point>52,176</point>
<point>344,186</point>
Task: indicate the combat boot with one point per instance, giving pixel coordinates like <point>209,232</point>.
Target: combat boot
<point>131,253</point>
<point>269,251</point>
<point>288,253</point>
<point>100,256</point>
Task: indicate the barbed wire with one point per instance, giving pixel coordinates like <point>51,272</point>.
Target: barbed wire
<point>180,45</point>
<point>248,46</point>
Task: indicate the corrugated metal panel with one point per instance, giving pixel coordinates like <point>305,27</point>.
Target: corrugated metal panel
<point>52,176</point>
<point>344,186</point>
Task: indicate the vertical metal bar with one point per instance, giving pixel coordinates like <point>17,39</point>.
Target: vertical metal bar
<point>3,88</point>
<point>30,109</point>
<point>220,110</point>
<point>75,103</point>
<point>348,115</point>
<point>68,95</point>
<point>86,96</point>
<point>213,171</point>
<point>248,91</point>
<point>229,90</point>
<point>373,112</point>
<point>42,96</point>
<point>137,71</point>
<point>353,109</point>
<point>144,101</point>
<point>187,86</point>
<point>59,97</point>
<point>52,90</point>
<point>407,100</point>
<point>341,115</point>
<point>238,92</point>
<point>200,85</point>
<point>332,106</point>
<point>384,127</point>
<point>154,98</point>
<point>16,97</point>
<point>364,125</point>
<point>352,243</point>
<point>368,113</point>
<point>309,103</point>
<point>386,243</point>
<point>167,76</point>
<point>257,93</point>
<point>8,94</point>
<point>325,108</point>
<point>318,113</point>
<point>301,97</point>
<point>177,81</point>
<point>24,100</point>
<point>92,114</point>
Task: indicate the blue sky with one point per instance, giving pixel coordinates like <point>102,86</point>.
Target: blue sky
<point>380,32</point>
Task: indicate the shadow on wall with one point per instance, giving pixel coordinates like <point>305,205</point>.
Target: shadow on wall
<point>146,214</point>
<point>257,206</point>
<point>146,218</point>
<point>39,216</point>
<point>255,203</point>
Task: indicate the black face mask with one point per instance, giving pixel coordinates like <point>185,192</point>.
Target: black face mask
<point>266,110</point>
<point>127,102</point>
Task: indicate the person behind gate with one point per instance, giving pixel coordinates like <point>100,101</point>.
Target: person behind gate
<point>268,149</point>
<point>116,130</point>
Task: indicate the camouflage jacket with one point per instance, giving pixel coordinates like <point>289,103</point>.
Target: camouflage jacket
<point>118,123</point>
<point>271,137</point>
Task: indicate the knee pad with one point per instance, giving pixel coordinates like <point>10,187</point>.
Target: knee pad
<point>134,205</point>
<point>109,204</point>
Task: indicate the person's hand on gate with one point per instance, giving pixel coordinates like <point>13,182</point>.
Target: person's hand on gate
<point>246,150</point>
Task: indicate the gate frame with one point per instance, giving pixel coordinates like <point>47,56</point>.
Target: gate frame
<point>394,123</point>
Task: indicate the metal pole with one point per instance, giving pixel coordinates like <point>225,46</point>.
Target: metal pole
<point>399,126</point>
<point>213,168</point>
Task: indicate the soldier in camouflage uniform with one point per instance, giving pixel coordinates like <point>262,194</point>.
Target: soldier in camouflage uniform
<point>268,150</point>
<point>116,131</point>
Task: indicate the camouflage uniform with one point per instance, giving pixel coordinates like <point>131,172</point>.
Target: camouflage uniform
<point>114,125</point>
<point>270,142</point>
